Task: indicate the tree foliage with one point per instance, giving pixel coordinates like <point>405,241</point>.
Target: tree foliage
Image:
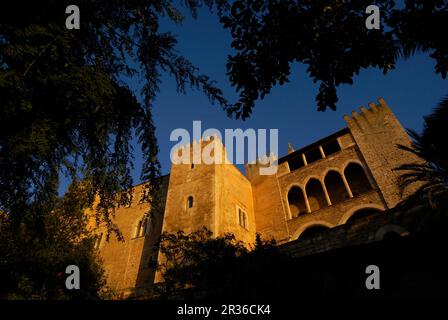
<point>36,252</point>
<point>198,266</point>
<point>65,109</point>
<point>428,177</point>
<point>65,106</point>
<point>330,38</point>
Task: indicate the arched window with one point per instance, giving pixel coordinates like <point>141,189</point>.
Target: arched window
<point>335,187</point>
<point>296,201</point>
<point>190,202</point>
<point>142,228</point>
<point>357,179</point>
<point>316,195</point>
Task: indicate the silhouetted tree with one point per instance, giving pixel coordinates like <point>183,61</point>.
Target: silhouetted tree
<point>36,252</point>
<point>330,38</point>
<point>64,106</point>
<point>429,177</point>
<point>198,266</point>
<point>65,109</point>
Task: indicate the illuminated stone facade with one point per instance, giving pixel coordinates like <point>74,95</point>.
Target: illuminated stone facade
<point>338,179</point>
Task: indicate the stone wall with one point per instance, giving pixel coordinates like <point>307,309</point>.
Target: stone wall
<point>233,192</point>
<point>218,191</point>
<point>365,230</point>
<point>126,262</point>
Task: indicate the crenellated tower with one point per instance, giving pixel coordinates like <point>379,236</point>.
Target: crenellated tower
<point>211,194</point>
<point>377,134</point>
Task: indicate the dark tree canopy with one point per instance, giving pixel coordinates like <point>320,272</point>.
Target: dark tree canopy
<point>200,266</point>
<point>64,105</point>
<point>65,109</point>
<point>34,255</point>
<point>330,38</point>
<point>428,178</point>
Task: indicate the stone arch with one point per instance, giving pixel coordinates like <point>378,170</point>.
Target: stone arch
<point>296,201</point>
<point>305,226</point>
<point>353,160</point>
<point>363,165</point>
<point>390,228</point>
<point>308,178</point>
<point>357,178</point>
<point>356,209</point>
<point>328,169</point>
<point>335,187</point>
<point>313,231</point>
<point>315,193</point>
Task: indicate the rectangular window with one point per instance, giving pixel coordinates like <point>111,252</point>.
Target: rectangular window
<point>296,163</point>
<point>331,147</point>
<point>242,218</point>
<point>313,155</point>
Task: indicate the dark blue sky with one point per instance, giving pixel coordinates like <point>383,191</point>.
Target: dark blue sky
<point>411,90</point>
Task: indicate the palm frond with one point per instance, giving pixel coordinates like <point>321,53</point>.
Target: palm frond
<point>428,177</point>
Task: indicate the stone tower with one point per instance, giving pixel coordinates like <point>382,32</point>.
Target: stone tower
<point>216,196</point>
<point>377,134</point>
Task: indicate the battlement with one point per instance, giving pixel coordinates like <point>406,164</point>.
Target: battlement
<point>208,150</point>
<point>368,117</point>
<point>260,166</point>
<point>200,143</point>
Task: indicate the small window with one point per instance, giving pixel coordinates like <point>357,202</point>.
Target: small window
<point>296,163</point>
<point>313,155</point>
<point>142,228</point>
<point>190,202</point>
<point>242,218</point>
<point>331,147</point>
